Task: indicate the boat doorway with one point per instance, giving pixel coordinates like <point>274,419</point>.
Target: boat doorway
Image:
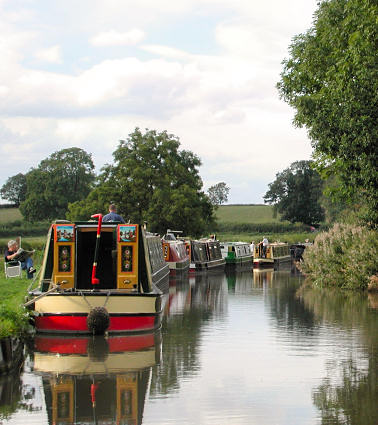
<point>106,263</point>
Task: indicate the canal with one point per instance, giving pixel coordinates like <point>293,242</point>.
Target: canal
<point>245,348</point>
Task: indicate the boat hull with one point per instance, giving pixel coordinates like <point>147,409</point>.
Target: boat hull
<point>270,262</point>
<point>61,313</point>
<point>205,266</point>
<point>239,263</point>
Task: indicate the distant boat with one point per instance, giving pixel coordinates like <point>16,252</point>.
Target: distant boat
<point>100,277</point>
<point>238,255</point>
<point>175,252</point>
<point>205,255</point>
<point>276,254</point>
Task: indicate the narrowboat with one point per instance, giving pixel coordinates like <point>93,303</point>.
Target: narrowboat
<point>100,277</point>
<point>276,254</point>
<point>96,379</point>
<point>206,255</point>
<point>238,255</point>
<point>175,253</point>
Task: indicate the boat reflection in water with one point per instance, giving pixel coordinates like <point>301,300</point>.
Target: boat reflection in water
<point>96,379</point>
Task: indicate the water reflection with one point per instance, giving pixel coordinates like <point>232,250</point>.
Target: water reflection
<point>96,380</point>
<point>193,302</point>
<point>252,347</point>
<point>348,393</point>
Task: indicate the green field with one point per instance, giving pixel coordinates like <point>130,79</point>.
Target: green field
<point>246,214</point>
<point>7,215</point>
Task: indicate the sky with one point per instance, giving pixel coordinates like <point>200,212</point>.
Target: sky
<point>86,73</point>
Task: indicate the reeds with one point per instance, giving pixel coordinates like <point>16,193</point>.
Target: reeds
<point>345,257</point>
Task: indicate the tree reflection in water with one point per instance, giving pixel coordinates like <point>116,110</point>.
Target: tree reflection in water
<point>349,392</point>
<point>192,302</point>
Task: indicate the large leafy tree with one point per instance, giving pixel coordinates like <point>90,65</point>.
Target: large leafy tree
<point>14,189</point>
<point>331,80</point>
<point>64,177</point>
<point>153,180</point>
<point>218,193</point>
<point>296,194</point>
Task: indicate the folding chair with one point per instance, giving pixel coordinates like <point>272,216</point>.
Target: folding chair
<point>13,269</point>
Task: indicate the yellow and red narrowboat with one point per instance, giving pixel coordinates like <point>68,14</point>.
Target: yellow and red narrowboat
<point>175,252</point>
<point>100,277</point>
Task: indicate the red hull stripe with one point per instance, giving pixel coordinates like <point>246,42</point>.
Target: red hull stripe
<point>80,345</point>
<point>79,323</point>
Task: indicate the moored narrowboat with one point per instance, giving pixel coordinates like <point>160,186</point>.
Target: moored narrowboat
<point>175,253</point>
<point>238,255</point>
<point>100,277</point>
<point>276,254</point>
<point>206,255</point>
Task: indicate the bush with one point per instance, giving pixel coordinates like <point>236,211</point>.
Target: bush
<point>23,228</point>
<point>345,256</point>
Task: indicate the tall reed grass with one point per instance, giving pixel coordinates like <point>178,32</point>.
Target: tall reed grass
<point>344,257</point>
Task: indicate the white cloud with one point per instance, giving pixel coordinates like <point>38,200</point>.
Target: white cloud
<point>51,54</point>
<point>223,104</point>
<point>114,38</point>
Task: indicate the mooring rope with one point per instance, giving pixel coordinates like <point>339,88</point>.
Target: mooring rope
<point>88,303</point>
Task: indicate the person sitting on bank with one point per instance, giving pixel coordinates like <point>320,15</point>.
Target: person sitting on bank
<point>113,216</point>
<point>14,253</point>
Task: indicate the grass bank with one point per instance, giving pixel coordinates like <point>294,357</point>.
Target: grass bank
<point>14,319</point>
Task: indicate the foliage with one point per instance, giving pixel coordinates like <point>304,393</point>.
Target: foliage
<point>152,180</point>
<point>218,194</point>
<point>66,176</point>
<point>331,81</point>
<point>345,257</point>
<point>21,228</point>
<point>296,194</point>
<point>14,189</point>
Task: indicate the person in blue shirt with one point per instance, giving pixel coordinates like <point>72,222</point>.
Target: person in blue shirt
<point>113,216</point>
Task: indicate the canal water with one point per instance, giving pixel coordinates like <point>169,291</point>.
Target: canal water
<point>255,347</point>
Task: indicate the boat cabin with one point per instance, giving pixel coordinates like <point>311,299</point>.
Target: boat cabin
<point>121,260</point>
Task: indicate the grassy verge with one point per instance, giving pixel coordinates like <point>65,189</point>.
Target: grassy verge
<point>14,319</point>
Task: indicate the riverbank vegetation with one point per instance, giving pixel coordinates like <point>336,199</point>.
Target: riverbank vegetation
<point>344,257</point>
<point>14,320</point>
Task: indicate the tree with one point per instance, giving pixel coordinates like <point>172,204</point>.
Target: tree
<point>331,81</point>
<point>296,194</point>
<point>65,176</point>
<point>152,180</point>
<point>14,189</point>
<point>218,193</point>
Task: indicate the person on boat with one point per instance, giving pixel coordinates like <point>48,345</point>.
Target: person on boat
<point>113,216</point>
<point>14,253</point>
<point>265,244</point>
<point>252,247</point>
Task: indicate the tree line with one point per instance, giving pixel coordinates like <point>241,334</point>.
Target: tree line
<point>150,179</point>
